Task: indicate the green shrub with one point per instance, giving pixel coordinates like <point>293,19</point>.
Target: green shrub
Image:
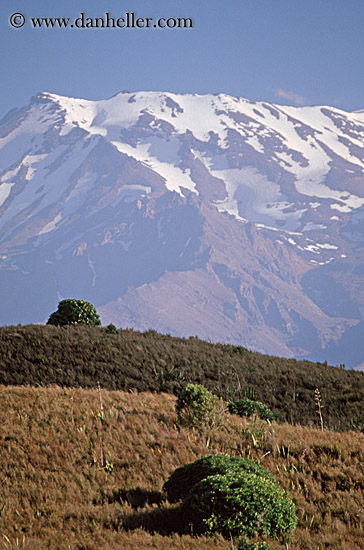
<point>232,496</point>
<point>196,406</point>
<point>74,312</point>
<point>247,407</point>
<point>239,503</point>
<point>111,329</point>
<point>185,478</point>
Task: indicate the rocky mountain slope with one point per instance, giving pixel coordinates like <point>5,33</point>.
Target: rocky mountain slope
<point>234,220</point>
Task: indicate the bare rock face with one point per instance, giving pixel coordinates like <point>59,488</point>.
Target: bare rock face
<point>214,216</point>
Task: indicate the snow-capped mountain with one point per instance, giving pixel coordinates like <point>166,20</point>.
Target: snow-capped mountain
<point>215,216</point>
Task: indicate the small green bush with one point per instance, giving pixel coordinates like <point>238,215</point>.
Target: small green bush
<point>183,479</point>
<point>247,407</point>
<point>111,329</point>
<point>239,503</point>
<point>196,406</point>
<point>74,312</point>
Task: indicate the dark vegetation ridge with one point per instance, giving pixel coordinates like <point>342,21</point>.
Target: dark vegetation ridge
<point>80,356</point>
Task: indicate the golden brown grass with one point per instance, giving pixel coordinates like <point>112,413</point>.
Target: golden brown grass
<point>78,476</point>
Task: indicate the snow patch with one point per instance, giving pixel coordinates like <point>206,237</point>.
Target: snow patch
<point>328,246</point>
<point>51,225</point>
<point>251,196</point>
<point>5,189</point>
<point>342,208</point>
<point>255,143</point>
<point>174,176</point>
<point>28,161</point>
<point>91,265</point>
<point>310,226</point>
<point>312,248</point>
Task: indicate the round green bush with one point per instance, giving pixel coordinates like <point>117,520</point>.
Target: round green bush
<point>239,503</point>
<point>184,478</point>
<point>74,312</point>
<point>196,406</point>
<point>111,329</point>
<point>247,407</point>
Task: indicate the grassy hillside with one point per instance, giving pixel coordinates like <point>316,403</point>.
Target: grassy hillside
<point>83,469</point>
<point>82,356</point>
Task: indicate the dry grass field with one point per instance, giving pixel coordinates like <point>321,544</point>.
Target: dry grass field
<point>84,469</point>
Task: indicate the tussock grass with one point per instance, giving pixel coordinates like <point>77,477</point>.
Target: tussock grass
<point>77,476</point>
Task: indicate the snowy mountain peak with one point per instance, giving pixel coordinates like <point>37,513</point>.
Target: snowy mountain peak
<point>274,165</point>
<point>247,199</point>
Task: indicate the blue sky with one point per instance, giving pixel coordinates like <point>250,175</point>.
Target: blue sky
<point>298,52</point>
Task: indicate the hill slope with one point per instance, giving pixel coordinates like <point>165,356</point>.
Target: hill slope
<point>129,360</point>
